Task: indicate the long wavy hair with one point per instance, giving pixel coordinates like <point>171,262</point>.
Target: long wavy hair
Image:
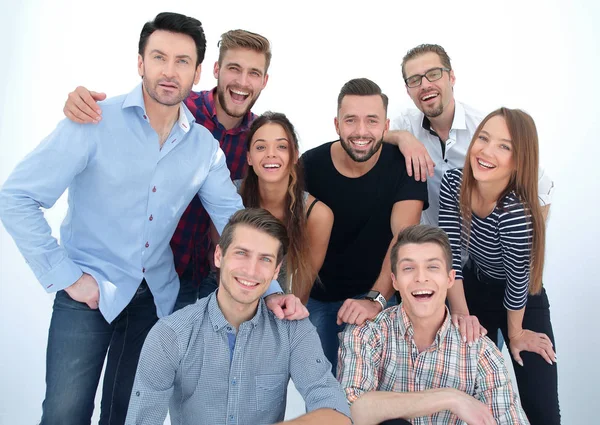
<point>523,182</point>
<point>298,267</point>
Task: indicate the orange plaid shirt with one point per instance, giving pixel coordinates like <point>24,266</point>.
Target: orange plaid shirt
<point>381,355</point>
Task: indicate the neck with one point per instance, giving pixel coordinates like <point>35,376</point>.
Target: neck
<point>489,192</point>
<point>235,313</point>
<point>272,197</point>
<point>347,166</point>
<point>425,329</point>
<point>162,117</point>
<point>442,124</point>
<point>224,118</point>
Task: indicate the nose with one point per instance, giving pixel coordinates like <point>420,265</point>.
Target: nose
<point>421,275</point>
<point>362,127</point>
<point>271,149</point>
<point>169,69</point>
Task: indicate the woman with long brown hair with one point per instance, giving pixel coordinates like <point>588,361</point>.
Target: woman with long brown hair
<point>491,211</point>
<point>275,182</point>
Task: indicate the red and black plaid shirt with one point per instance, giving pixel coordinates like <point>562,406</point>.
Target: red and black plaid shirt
<point>191,240</point>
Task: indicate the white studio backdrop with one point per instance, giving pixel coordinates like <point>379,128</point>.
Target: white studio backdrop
<point>539,56</point>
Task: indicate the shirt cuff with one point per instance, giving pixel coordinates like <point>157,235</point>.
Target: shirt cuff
<point>61,276</point>
<point>273,287</point>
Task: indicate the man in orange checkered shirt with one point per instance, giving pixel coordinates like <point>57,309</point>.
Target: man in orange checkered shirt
<point>410,362</point>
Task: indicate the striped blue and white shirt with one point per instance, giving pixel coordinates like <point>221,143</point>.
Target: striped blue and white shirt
<point>196,365</point>
<point>499,244</point>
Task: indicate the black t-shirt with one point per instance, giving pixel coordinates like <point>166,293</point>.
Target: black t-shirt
<point>362,209</point>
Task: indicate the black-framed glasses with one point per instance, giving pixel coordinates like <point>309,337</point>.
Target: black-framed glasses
<point>432,75</point>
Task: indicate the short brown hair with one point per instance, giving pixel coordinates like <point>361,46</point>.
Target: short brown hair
<point>420,234</point>
<point>421,49</point>
<point>242,39</point>
<point>258,219</point>
<point>361,87</point>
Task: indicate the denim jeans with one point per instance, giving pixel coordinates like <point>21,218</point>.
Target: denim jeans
<point>78,342</point>
<point>323,316</point>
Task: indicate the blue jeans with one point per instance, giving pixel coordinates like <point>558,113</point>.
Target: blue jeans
<point>78,342</point>
<point>323,316</point>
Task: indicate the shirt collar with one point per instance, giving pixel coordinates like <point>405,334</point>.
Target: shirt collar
<point>208,99</point>
<point>406,329</point>
<point>458,122</point>
<point>135,98</point>
<point>219,321</point>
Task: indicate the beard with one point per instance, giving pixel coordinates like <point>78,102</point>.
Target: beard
<point>165,99</point>
<point>230,111</point>
<point>361,156</point>
<point>433,112</point>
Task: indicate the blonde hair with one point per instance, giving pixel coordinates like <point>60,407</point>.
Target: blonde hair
<point>242,39</point>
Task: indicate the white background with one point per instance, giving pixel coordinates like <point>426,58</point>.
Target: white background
<point>539,56</point>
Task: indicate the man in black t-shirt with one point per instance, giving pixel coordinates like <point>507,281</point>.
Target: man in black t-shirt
<point>364,182</point>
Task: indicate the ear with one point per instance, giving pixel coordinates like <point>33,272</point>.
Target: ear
<point>216,70</point>
<point>276,274</point>
<point>395,283</point>
<point>451,278</point>
<point>218,256</point>
<point>266,79</point>
<point>248,159</point>
<point>140,66</point>
<point>452,78</point>
<point>197,74</point>
<point>337,125</point>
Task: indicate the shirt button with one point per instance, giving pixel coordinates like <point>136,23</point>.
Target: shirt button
<point>137,393</point>
<point>150,218</point>
<point>145,117</point>
<point>147,245</point>
<point>231,417</point>
<point>446,160</point>
<point>154,189</point>
<point>229,328</point>
<point>144,270</point>
<point>233,381</point>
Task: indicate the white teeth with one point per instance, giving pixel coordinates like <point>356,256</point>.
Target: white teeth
<point>241,93</point>
<point>429,96</point>
<point>485,164</point>
<point>361,142</point>
<point>422,292</point>
<point>246,283</point>
<point>272,165</point>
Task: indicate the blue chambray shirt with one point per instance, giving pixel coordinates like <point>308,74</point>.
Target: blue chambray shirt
<point>126,196</point>
<point>186,367</point>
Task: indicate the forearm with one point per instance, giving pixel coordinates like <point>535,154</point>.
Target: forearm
<point>396,137</point>
<point>457,299</point>
<point>375,407</point>
<point>319,417</point>
<point>515,321</point>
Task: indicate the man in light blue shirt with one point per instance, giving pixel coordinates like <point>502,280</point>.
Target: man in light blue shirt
<point>129,178</point>
<point>227,359</point>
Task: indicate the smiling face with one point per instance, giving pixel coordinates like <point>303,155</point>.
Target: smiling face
<point>246,267</point>
<point>168,67</point>
<point>361,124</point>
<point>241,76</point>
<point>491,153</point>
<point>422,277</point>
<point>269,154</point>
<point>431,98</point>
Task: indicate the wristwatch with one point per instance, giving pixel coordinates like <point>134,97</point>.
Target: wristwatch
<point>376,296</point>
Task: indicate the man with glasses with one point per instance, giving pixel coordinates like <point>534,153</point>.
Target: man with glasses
<point>434,138</point>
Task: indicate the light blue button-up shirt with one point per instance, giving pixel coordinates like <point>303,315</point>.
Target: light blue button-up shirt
<point>126,196</point>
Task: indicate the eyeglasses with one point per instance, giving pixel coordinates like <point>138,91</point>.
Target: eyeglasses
<point>432,75</point>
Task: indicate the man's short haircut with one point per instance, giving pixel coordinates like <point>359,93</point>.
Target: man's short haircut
<point>258,219</point>
<point>176,23</point>
<point>421,234</point>
<point>421,49</point>
<point>362,87</point>
<point>241,39</point>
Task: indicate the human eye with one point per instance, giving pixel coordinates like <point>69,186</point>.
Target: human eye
<point>267,259</point>
<point>413,81</point>
<point>407,268</point>
<point>433,267</point>
<point>255,73</point>
<point>259,148</point>
<point>240,252</point>
<point>373,121</point>
<point>434,74</point>
<point>158,57</point>
<point>283,146</point>
<point>482,138</point>
<point>349,120</point>
<point>505,146</point>
<point>183,61</point>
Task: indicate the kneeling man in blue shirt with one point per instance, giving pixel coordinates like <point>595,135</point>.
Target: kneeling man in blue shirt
<point>227,358</point>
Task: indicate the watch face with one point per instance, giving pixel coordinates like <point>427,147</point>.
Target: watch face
<point>371,295</point>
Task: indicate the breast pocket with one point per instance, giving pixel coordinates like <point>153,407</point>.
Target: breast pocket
<point>270,391</point>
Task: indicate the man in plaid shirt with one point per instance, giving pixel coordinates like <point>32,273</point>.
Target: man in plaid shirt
<point>410,362</point>
<point>241,73</point>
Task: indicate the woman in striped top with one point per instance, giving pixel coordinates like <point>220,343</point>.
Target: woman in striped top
<point>490,210</point>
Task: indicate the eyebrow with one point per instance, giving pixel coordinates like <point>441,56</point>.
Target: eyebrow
<point>488,134</point>
<point>278,139</point>
<point>429,260</point>
<point>260,254</point>
<point>356,116</point>
<point>164,54</point>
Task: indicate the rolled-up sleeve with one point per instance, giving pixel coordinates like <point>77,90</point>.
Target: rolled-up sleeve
<point>37,182</point>
<point>311,371</point>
